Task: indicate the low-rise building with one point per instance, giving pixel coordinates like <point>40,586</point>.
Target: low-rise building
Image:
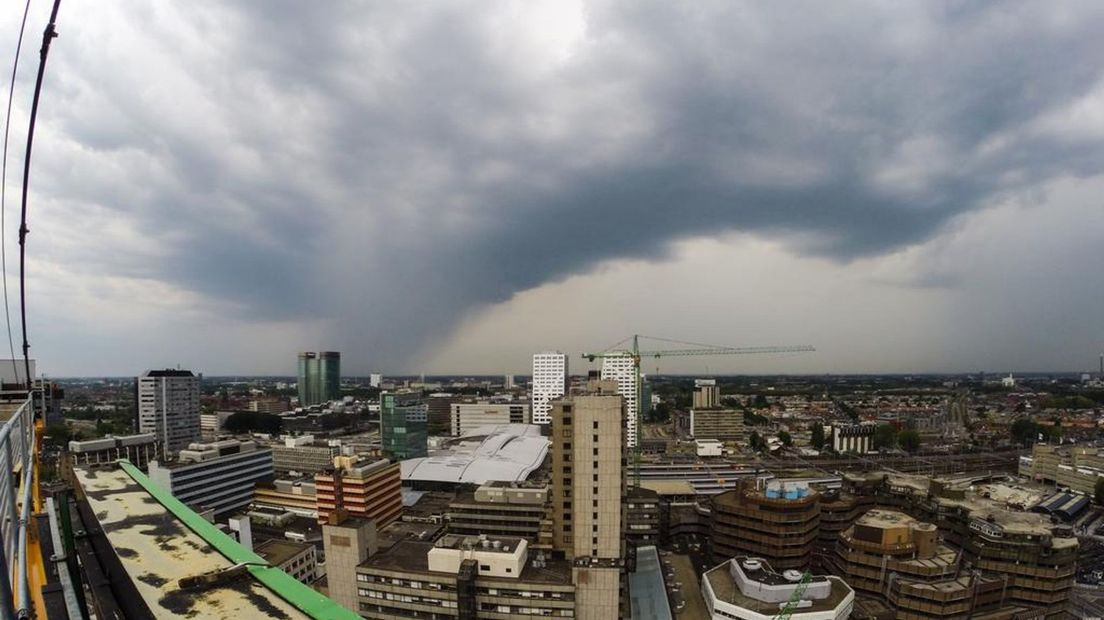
<point>857,438</point>
<point>504,509</point>
<point>138,449</point>
<point>302,454</point>
<point>298,496</point>
<point>218,476</point>
<point>747,588</point>
<point>719,424</point>
<point>465,577</point>
<point>300,560</point>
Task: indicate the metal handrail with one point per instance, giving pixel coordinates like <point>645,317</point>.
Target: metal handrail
<point>17,437</point>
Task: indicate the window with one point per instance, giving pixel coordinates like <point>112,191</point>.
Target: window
<point>596,425</point>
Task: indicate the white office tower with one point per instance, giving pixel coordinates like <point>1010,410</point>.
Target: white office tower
<point>168,406</point>
<point>375,380</point>
<point>620,368</point>
<point>549,383</point>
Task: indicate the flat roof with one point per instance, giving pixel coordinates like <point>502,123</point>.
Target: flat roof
<point>669,487</point>
<point>724,588</point>
<point>157,550</point>
<point>647,592</point>
<point>278,551</point>
<point>411,556</point>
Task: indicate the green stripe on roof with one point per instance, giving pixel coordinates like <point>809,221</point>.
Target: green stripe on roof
<point>283,585</point>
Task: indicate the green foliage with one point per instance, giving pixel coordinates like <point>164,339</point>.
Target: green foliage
<point>760,402</point>
<point>754,419</point>
<point>60,435</point>
<point>756,442</point>
<point>1068,402</point>
<point>253,422</point>
<point>1098,492</point>
<point>885,437</point>
<point>1026,431</point>
<point>909,440</point>
<point>817,440</point>
<point>785,438</point>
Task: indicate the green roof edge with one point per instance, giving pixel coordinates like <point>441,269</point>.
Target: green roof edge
<point>303,597</point>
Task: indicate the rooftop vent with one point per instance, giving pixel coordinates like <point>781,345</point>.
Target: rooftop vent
<point>752,565</point>
<point>791,575</point>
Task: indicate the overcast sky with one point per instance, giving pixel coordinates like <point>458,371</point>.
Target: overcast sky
<point>451,186</point>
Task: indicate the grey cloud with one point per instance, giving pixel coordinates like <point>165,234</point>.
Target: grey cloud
<point>391,167</point>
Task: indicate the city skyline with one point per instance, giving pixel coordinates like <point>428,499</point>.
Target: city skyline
<point>909,187</point>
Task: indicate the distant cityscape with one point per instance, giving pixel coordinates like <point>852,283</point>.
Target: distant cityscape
<point>608,493</point>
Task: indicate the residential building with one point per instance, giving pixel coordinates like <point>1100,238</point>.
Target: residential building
<point>364,489</point>
<point>465,417</point>
<point>747,588</point>
<point>217,476</point>
<point>270,405</point>
<point>494,577</point>
<point>300,560</point>
<point>706,394</point>
<point>168,406</point>
<point>375,380</point>
<point>777,521</point>
<point>622,369</point>
<point>550,379</point>
<point>504,509</point>
<point>138,449</point>
<point>319,377</point>
<point>403,433</point>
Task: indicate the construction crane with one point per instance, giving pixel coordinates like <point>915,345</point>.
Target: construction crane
<point>700,349</point>
<point>795,598</point>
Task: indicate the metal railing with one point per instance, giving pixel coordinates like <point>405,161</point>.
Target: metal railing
<point>17,436</point>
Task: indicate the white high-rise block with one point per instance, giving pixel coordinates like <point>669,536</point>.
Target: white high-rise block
<point>168,405</point>
<point>549,382</point>
<point>620,368</point>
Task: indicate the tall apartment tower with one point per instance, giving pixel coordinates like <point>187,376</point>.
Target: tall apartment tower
<point>620,368</point>
<point>706,394</point>
<point>549,383</point>
<point>168,406</point>
<point>319,377</point>
<point>588,472</point>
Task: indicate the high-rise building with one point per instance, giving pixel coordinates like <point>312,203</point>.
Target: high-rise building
<point>168,406</point>
<point>319,377</point>
<point>360,488</point>
<point>549,382</point>
<point>588,472</point>
<point>706,394</point>
<point>375,380</point>
<point>622,369</point>
<point>347,542</point>
<point>403,432</point>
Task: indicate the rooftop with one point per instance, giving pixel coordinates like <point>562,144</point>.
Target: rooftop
<point>507,452</point>
<point>725,589</point>
<point>157,550</point>
<point>278,551</point>
<point>411,556</point>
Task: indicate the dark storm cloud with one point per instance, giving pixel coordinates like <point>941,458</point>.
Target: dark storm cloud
<point>392,166</point>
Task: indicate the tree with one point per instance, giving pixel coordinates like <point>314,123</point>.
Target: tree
<point>253,421</point>
<point>885,437</point>
<point>785,438</point>
<point>1024,432</point>
<point>817,439</point>
<point>760,402</point>
<point>756,442</point>
<point>909,440</point>
<point>1098,492</point>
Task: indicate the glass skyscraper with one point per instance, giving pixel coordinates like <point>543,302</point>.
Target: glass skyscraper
<point>402,428</point>
<point>319,377</point>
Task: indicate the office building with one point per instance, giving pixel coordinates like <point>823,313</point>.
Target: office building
<point>217,476</point>
<point>747,588</point>
<point>303,455</point>
<point>466,577</point>
<point>622,369</point>
<point>855,438</point>
<point>270,405</point>
<point>439,413</point>
<point>138,449</point>
<point>777,521</point>
<point>348,542</point>
<point>468,416</point>
<point>588,472</point>
<point>375,380</point>
<point>549,382</point>
<point>504,509</point>
<point>319,377</point>
<point>300,560</point>
<point>508,382</point>
<point>642,517</point>
<point>364,489</point>
<point>168,406</point>
<point>706,394</point>
<point>403,433</point>
<point>719,424</point>
<point>298,496</point>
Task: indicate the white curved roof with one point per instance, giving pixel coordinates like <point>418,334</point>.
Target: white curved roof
<point>507,452</point>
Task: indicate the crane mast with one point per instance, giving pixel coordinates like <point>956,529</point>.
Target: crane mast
<point>701,349</point>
